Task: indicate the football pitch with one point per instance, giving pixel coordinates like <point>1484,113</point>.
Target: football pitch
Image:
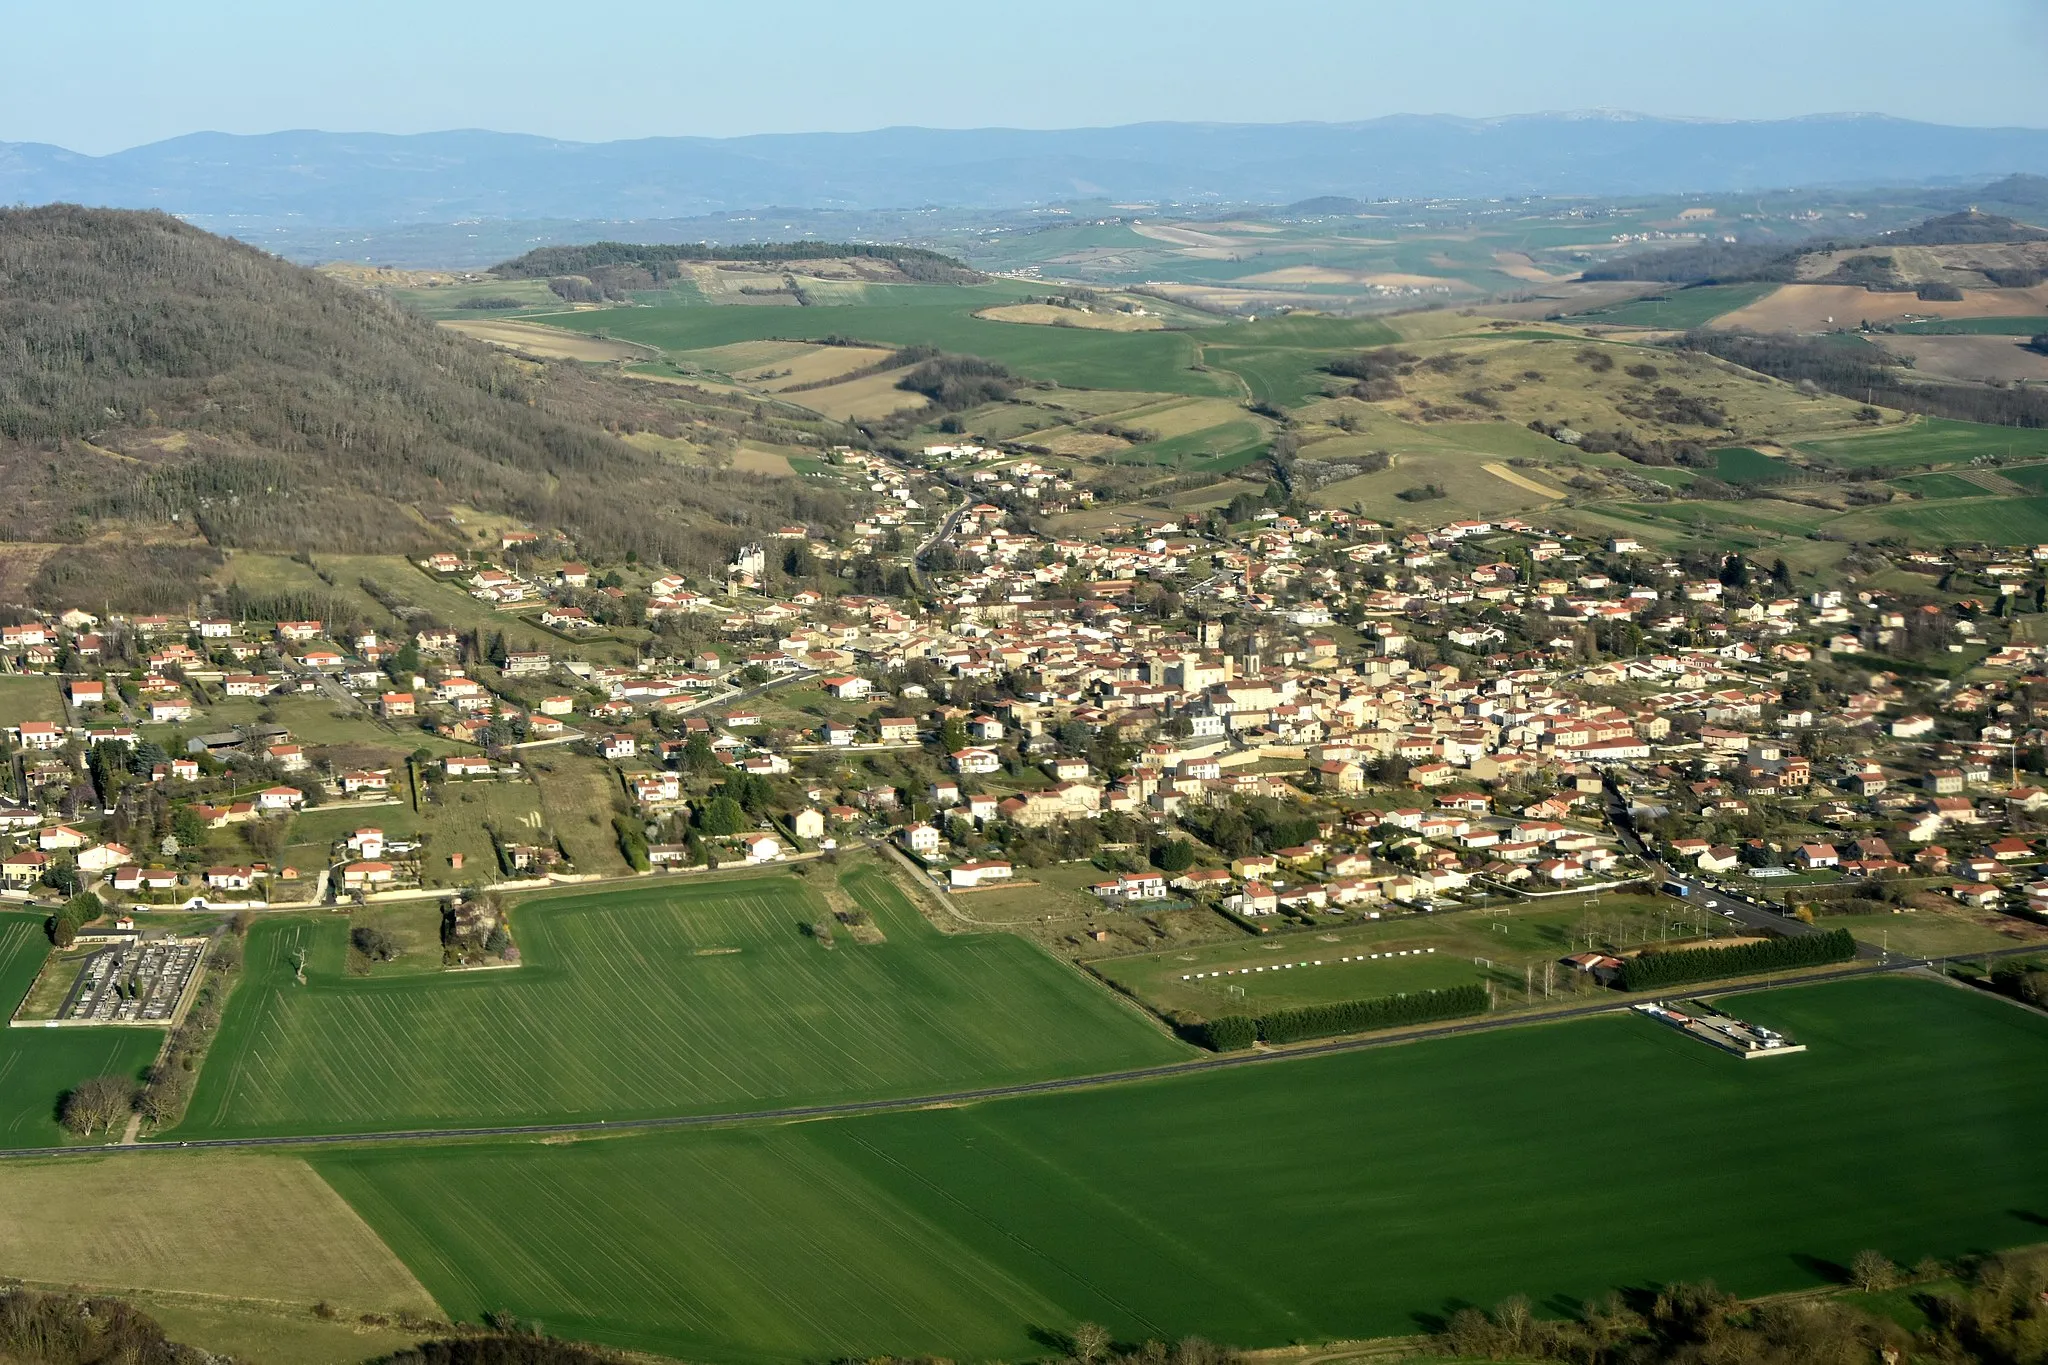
<point>668,997</point>
<point>1339,1197</point>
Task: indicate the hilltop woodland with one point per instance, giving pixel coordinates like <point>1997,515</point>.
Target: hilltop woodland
<point>612,270</point>
<point>156,376</point>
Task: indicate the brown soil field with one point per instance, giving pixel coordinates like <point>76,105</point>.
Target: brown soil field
<point>1046,315</point>
<point>1180,236</point>
<point>756,460</point>
<point>1807,307</point>
<point>1971,357</point>
<point>1080,443</point>
<point>816,363</point>
<point>532,339</point>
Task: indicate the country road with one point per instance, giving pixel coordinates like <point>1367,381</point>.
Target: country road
<point>848,1108</point>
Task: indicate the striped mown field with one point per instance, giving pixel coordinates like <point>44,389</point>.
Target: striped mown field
<point>1312,1200</point>
<point>668,997</point>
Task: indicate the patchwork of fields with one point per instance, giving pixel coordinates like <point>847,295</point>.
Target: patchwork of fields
<point>661,998</point>
<point>1331,1198</point>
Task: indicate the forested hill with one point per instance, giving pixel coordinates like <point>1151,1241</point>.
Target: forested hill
<point>156,376</point>
<point>658,261</point>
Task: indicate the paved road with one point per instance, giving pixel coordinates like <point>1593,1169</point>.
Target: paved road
<point>1486,1024</point>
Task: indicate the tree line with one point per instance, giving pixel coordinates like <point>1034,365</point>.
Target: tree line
<point>660,259</point>
<point>1234,1032</point>
<point>1870,376</point>
<point>1655,970</point>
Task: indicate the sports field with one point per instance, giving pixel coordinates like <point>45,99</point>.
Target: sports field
<point>664,998</point>
<point>1405,952</point>
<point>1321,1199</point>
<point>38,1065</point>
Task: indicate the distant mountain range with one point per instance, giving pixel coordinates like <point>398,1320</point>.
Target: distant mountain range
<point>366,179</point>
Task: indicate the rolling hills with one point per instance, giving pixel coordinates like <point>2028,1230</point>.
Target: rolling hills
<point>185,390</point>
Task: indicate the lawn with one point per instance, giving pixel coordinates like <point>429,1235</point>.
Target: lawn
<point>1680,309</point>
<point>1394,955</point>
<point>232,1226</point>
<point>674,996</point>
<point>38,1065</point>
<point>1930,440</point>
<point>29,697</point>
<point>1157,361</point>
<point>1335,1198</point>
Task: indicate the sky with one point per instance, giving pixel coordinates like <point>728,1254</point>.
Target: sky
<point>118,73</point>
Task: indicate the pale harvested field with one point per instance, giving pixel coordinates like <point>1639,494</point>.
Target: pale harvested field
<point>756,460</point>
<point>532,339</point>
<point>236,1226</point>
<point>1807,307</point>
<point>743,356</point>
<point>1080,443</point>
<point>1180,236</point>
<point>1519,265</point>
<point>1323,274</point>
<point>1971,357</point>
<point>1522,481</point>
<point>816,363</point>
<point>1183,418</point>
<point>874,396</point>
<point>1046,315</point>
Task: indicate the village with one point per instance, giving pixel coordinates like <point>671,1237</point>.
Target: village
<point>1276,713</point>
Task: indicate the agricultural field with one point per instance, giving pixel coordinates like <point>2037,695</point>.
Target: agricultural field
<point>1558,1161</point>
<point>1938,933</point>
<point>37,1066</point>
<point>1156,361</point>
<point>1678,310</point>
<point>672,996</point>
<point>2002,327</point>
<point>231,1227</point>
<point>1404,953</point>
<point>1927,441</point>
<point>1991,520</point>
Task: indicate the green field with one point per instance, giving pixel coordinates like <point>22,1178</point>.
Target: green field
<point>1153,361</point>
<point>1937,486</point>
<point>1740,464</point>
<point>668,997</point>
<point>1681,309</point>
<point>2032,477</point>
<point>1929,440</point>
<point>38,1065</point>
<point>1993,520</point>
<point>1332,1198</point>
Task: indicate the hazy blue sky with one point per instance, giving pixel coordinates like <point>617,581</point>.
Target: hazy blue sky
<point>103,74</point>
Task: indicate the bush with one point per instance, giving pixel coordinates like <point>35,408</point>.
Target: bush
<point>1653,970</point>
<point>376,944</point>
<point>1231,1033</point>
<point>632,842</point>
<point>1361,1016</point>
<point>1175,855</point>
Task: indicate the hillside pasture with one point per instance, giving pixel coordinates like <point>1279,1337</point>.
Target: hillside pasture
<point>1394,1182</point>
<point>673,996</point>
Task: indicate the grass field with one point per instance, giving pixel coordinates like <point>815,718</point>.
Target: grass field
<point>671,997</point>
<point>1993,520</point>
<point>38,1065</point>
<point>1740,464</point>
<point>236,1226</point>
<point>1450,949</point>
<point>1335,1198</point>
<point>28,697</point>
<point>1938,933</point>
<point>1680,309</point>
<point>1938,486</point>
<point>1930,440</point>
